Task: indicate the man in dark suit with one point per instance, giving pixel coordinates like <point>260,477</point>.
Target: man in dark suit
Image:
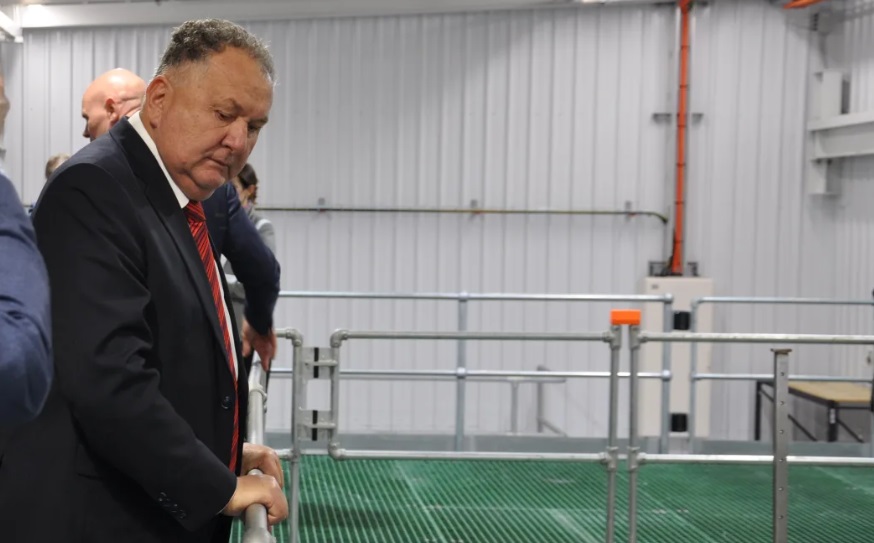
<point>117,94</point>
<point>140,439</point>
<point>25,328</point>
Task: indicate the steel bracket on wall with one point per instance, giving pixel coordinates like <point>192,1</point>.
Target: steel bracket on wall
<point>833,135</point>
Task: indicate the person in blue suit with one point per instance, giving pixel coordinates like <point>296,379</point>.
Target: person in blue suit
<point>25,322</point>
<point>235,236</point>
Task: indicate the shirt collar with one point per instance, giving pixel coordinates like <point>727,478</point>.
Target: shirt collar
<point>138,125</point>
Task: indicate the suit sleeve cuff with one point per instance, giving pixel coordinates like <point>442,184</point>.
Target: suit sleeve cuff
<point>207,500</point>
<point>261,323</point>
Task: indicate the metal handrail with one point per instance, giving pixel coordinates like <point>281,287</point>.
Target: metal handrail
<point>474,210</point>
<point>474,296</point>
<point>257,529</point>
<point>780,458</point>
<point>739,300</point>
<point>330,368</point>
<point>464,298</point>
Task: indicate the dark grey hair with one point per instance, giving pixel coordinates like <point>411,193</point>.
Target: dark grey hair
<point>195,41</point>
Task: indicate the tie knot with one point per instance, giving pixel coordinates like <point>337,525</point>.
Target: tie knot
<point>194,212</point>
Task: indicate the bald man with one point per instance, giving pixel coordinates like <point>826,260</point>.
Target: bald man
<point>119,93</point>
<point>115,94</point>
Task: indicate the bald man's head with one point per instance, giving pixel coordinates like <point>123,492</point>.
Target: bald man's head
<point>110,97</point>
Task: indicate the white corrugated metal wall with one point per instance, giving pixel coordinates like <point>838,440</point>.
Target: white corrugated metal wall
<point>514,110</point>
<point>751,226</point>
<point>755,229</point>
<point>851,49</point>
<point>542,109</point>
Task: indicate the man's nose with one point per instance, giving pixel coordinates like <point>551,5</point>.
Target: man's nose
<point>235,139</point>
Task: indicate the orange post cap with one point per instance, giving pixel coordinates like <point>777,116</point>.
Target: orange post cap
<point>619,317</point>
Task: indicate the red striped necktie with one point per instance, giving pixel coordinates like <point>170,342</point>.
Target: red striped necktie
<point>197,224</point>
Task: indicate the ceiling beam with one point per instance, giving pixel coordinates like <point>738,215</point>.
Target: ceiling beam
<point>144,13</point>
<point>174,12</point>
<point>9,29</point>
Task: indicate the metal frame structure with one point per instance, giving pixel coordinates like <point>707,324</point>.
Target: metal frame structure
<point>315,425</point>
<point>324,364</point>
<point>694,376</point>
<point>461,374</point>
<point>780,458</point>
<point>324,424</point>
<point>451,375</point>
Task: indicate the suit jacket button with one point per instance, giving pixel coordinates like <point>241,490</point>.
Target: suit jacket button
<point>226,402</point>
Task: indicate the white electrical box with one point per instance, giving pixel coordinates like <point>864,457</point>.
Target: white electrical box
<point>684,290</point>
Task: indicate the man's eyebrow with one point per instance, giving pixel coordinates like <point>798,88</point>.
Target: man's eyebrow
<point>229,103</point>
<point>237,108</point>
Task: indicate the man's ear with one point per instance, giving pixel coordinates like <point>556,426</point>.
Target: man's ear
<point>111,108</point>
<point>157,95</point>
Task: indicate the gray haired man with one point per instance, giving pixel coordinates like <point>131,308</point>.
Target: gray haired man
<point>141,439</point>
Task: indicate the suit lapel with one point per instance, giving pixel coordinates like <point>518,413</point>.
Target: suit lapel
<point>166,206</point>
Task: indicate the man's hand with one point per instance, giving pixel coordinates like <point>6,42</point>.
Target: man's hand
<point>263,458</point>
<point>263,489</point>
<point>264,345</point>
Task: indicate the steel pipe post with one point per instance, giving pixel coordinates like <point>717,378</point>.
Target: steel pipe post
<point>668,326</point>
<point>871,434</point>
<point>633,446</point>
<point>514,407</point>
<point>541,401</point>
<point>461,366</point>
<point>612,455</point>
<point>294,461</point>
<point>691,417</point>
<point>781,445</point>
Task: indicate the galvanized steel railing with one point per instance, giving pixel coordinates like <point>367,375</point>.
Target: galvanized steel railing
<point>465,298</point>
<point>694,376</point>
<point>324,424</point>
<point>257,529</point>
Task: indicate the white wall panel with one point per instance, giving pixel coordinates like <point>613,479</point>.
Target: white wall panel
<point>753,227</point>
<point>512,110</point>
<point>849,48</point>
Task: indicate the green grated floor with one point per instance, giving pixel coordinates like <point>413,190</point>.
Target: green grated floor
<point>541,502</point>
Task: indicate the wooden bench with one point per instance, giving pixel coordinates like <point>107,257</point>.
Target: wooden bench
<point>834,396</point>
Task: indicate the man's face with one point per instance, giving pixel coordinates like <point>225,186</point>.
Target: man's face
<point>95,114</point>
<point>208,119</point>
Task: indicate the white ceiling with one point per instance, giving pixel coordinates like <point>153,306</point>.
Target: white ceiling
<point>71,2</point>
<point>20,15</point>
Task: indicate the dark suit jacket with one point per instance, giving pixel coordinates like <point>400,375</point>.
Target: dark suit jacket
<point>134,442</point>
<point>25,328</point>
<point>236,237</point>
